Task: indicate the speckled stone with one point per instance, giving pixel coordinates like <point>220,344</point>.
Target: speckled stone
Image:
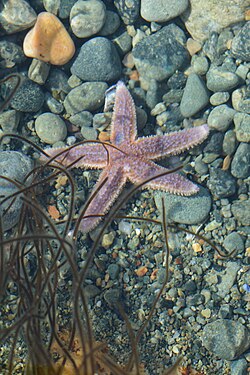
<point>111,24</point>
<point>225,338</point>
<point>98,60</point>
<point>28,98</point>
<point>240,167</point>
<point>128,10</point>
<point>241,100</point>
<point>15,16</point>
<point>169,39</point>
<point>241,211</point>
<point>241,43</point>
<point>10,54</point>
<point>242,126</point>
<point>216,16</point>
<point>185,210</point>
<point>221,183</point>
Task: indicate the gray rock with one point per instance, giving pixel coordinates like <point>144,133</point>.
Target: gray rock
<point>50,128</point>
<point>87,17</point>
<point>239,367</point>
<point>11,53</point>
<point>221,183</point>
<point>128,10</point>
<point>83,118</point>
<point>229,142</point>
<point>185,210</point>
<point>15,166</point>
<point>123,42</point>
<point>214,145</point>
<point>195,96</point>
<point>221,117</point>
<point>113,271</point>
<point>216,16</point>
<point>88,132</point>
<point>111,24</point>
<point>60,8</point>
<point>241,211</point>
<point>241,43</point>
<point>227,339</point>
<point>15,16</point>
<point>241,100</point>
<point>38,71</point>
<point>200,64</point>
<point>162,11</point>
<point>233,241</point>
<point>9,120</point>
<point>28,98</point>
<point>54,105</point>
<point>242,126</point>
<point>168,45</point>
<point>98,60</point>
<point>240,166</point>
<point>57,81</point>
<point>219,98</point>
<point>219,79</point>
<point>227,278</point>
<point>88,96</point>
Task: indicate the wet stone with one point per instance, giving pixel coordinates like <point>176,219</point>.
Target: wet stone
<point>229,142</point>
<point>54,105</point>
<point>221,183</point>
<point>16,166</point>
<point>241,100</point>
<point>183,209</point>
<point>38,71</point>
<point>233,241</point>
<point>227,339</point>
<point>169,39</point>
<point>200,64</point>
<point>239,367</point>
<point>83,118</point>
<point>241,211</point>
<point>98,60</point>
<point>219,98</point>
<point>50,128</point>
<point>10,54</point>
<point>242,126</point>
<point>123,42</point>
<point>57,81</point>
<point>28,98</point>
<point>60,8</point>
<point>241,161</point>
<point>221,117</point>
<point>111,24</point>
<point>219,79</point>
<point>128,10</point>
<point>241,43</point>
<point>15,16</point>
<point>88,96</point>
<point>9,120</point>
<point>162,11</point>
<point>195,96</point>
<point>87,17</point>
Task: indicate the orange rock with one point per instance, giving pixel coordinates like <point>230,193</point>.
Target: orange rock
<point>49,41</point>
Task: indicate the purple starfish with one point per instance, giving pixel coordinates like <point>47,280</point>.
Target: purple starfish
<point>131,160</point>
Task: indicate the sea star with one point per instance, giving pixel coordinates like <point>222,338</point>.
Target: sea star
<point>131,159</point>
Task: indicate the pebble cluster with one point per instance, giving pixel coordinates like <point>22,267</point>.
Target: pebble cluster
<point>183,70</point>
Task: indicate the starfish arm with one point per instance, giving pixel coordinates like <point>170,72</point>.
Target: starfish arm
<point>159,146</point>
<point>123,126</point>
<point>88,155</point>
<point>171,182</point>
<point>103,197</point>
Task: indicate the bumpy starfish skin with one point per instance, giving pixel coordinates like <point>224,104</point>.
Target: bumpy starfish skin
<point>133,159</point>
